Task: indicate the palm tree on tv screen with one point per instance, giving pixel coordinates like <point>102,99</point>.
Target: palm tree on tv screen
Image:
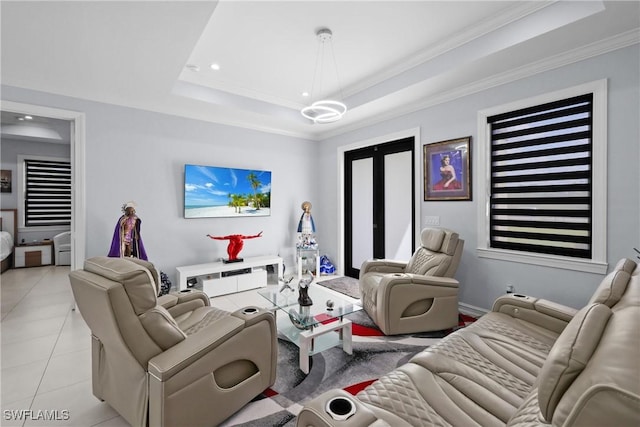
<point>236,200</point>
<point>255,184</point>
<point>265,199</point>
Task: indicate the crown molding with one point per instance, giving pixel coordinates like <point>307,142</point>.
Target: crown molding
<point>598,48</point>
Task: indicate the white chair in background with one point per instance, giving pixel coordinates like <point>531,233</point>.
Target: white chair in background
<point>62,248</point>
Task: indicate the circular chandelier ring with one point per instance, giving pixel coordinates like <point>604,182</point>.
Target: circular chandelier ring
<point>324,111</point>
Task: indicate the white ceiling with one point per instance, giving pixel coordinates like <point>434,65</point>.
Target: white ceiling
<point>34,128</point>
<point>392,57</point>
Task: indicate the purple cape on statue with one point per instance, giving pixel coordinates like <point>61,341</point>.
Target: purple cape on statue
<point>137,247</point>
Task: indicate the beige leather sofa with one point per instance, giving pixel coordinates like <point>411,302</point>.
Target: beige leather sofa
<point>419,295</point>
<point>529,362</point>
<point>173,360</point>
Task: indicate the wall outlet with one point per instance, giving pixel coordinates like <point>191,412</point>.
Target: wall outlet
<point>431,220</point>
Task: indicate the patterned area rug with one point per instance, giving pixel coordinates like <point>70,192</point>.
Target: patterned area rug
<point>373,356</point>
<point>345,285</point>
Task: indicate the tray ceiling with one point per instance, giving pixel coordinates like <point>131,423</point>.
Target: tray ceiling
<point>392,57</point>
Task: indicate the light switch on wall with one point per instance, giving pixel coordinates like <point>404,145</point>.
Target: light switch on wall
<point>431,220</point>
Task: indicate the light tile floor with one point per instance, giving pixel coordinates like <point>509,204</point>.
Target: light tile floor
<point>45,354</point>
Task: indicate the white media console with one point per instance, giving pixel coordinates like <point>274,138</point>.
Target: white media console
<point>219,278</point>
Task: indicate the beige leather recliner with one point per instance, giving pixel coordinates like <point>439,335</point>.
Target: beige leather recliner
<point>416,296</point>
<point>178,363</point>
<point>528,362</point>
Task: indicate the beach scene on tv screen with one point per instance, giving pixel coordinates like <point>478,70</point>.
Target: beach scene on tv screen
<point>211,191</point>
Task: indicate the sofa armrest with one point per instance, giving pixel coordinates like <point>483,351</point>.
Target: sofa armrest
<point>382,266</point>
<point>191,295</point>
<point>168,300</point>
<point>195,346</point>
<point>315,413</point>
<point>178,303</point>
<point>252,315</point>
<point>174,298</point>
<point>556,310</point>
<point>543,313</point>
<point>182,355</point>
<point>419,279</point>
<point>515,300</point>
<point>404,300</point>
<point>433,283</point>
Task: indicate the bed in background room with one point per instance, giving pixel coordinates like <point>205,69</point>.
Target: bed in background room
<point>8,237</point>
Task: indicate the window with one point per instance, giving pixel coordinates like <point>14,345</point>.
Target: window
<point>541,175</point>
<point>541,178</point>
<point>47,192</point>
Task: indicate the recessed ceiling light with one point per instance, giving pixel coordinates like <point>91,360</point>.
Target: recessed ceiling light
<point>21,119</point>
<point>305,94</point>
<point>28,118</point>
<point>192,67</point>
<point>215,66</point>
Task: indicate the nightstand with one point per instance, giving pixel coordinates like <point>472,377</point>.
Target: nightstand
<point>33,254</point>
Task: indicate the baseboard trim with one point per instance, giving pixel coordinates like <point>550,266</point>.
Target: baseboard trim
<point>471,310</point>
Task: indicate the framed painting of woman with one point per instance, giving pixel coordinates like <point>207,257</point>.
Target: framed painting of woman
<point>447,170</point>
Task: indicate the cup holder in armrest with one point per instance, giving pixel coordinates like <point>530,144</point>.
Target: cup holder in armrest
<point>250,310</point>
<point>340,408</point>
<point>519,295</point>
<point>184,291</point>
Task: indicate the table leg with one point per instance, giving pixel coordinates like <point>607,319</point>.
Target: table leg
<point>305,343</point>
<point>342,326</point>
<point>346,336</point>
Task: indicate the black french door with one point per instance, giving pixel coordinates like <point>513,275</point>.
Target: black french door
<point>379,203</point>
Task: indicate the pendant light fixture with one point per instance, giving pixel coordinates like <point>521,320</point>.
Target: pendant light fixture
<point>324,110</point>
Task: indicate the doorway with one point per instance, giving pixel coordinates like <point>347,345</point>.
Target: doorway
<point>379,203</point>
<point>77,146</point>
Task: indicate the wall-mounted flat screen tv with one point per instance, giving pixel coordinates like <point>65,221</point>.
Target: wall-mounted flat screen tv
<point>211,191</point>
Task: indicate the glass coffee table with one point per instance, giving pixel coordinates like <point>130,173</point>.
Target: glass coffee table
<point>313,328</point>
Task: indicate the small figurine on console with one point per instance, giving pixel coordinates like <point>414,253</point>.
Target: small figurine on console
<point>235,244</point>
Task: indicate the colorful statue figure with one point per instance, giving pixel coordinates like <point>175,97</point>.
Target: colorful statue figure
<point>306,229</point>
<point>235,244</point>
<point>126,241</point>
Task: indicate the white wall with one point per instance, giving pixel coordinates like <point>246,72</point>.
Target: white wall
<point>483,280</point>
<point>138,155</point>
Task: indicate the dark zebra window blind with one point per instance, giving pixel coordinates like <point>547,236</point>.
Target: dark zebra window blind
<point>47,193</point>
<point>541,178</point>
